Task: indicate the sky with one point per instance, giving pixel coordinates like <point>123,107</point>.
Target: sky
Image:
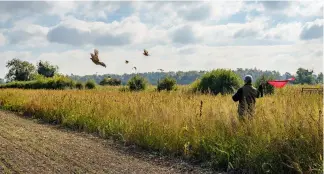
<point>267,35</point>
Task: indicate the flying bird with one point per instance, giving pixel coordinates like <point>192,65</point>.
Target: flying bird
<point>126,61</point>
<point>146,52</point>
<point>95,58</point>
<point>135,68</point>
<point>161,70</point>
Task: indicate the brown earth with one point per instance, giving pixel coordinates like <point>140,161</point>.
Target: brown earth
<point>29,147</point>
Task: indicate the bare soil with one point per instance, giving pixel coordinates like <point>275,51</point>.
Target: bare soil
<point>29,147</point>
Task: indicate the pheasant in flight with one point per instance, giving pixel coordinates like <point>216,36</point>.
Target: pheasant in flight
<point>126,61</point>
<point>95,58</point>
<point>146,52</point>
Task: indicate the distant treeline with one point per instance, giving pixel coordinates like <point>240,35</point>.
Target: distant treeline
<point>183,78</point>
<point>19,70</point>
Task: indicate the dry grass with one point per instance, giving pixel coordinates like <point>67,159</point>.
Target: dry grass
<point>286,133</point>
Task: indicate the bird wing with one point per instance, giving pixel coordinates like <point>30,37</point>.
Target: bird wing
<point>94,57</point>
<point>145,51</point>
<point>96,52</point>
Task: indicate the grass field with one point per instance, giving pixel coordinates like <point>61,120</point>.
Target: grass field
<point>286,134</point>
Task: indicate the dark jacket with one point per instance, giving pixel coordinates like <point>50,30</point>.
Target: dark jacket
<point>246,96</point>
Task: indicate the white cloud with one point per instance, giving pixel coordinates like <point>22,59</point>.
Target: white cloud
<point>305,8</point>
<point>312,30</point>
<point>76,32</point>
<point>2,39</point>
<point>284,31</point>
<point>27,34</point>
<point>184,35</point>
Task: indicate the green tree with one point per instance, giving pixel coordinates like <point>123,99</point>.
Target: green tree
<point>110,81</point>
<point>91,84</point>
<point>137,83</point>
<point>2,81</point>
<point>167,83</point>
<point>46,69</point>
<point>320,78</point>
<point>305,76</point>
<point>219,81</point>
<point>19,70</point>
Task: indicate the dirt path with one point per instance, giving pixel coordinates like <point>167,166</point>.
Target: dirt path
<point>29,147</point>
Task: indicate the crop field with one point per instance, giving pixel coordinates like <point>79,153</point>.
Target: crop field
<point>286,133</point>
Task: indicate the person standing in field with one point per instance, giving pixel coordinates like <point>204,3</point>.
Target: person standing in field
<point>246,96</point>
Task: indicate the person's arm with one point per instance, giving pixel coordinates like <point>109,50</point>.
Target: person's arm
<point>238,95</point>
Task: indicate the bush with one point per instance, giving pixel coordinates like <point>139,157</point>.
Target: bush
<point>41,82</point>
<point>90,84</point>
<point>110,81</point>
<point>268,89</point>
<point>219,81</point>
<point>168,83</point>
<point>137,83</point>
<point>124,89</point>
<point>79,85</point>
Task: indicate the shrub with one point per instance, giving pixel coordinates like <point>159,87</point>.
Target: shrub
<point>137,83</point>
<point>219,81</point>
<point>168,83</point>
<point>41,82</point>
<point>79,85</point>
<point>124,89</point>
<point>268,89</point>
<point>91,84</point>
<point>110,81</point>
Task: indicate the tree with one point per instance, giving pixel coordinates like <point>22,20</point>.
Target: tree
<point>219,81</point>
<point>320,78</point>
<point>46,69</point>
<point>19,70</point>
<point>110,81</point>
<point>137,83</point>
<point>2,81</point>
<point>91,84</point>
<point>305,76</point>
<point>168,83</point>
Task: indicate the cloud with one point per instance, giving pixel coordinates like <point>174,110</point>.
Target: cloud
<point>2,39</point>
<point>286,9</point>
<point>184,35</point>
<point>21,9</point>
<point>27,34</point>
<point>275,5</point>
<point>197,12</point>
<point>312,30</point>
<point>244,33</point>
<point>284,32</point>
<point>76,32</point>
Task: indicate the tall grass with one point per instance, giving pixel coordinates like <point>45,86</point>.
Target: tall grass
<point>286,134</point>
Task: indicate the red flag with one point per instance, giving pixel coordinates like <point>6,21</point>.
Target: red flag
<point>278,83</point>
<point>291,79</point>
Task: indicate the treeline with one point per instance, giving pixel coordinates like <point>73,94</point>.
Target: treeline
<point>183,78</point>
<point>25,71</point>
